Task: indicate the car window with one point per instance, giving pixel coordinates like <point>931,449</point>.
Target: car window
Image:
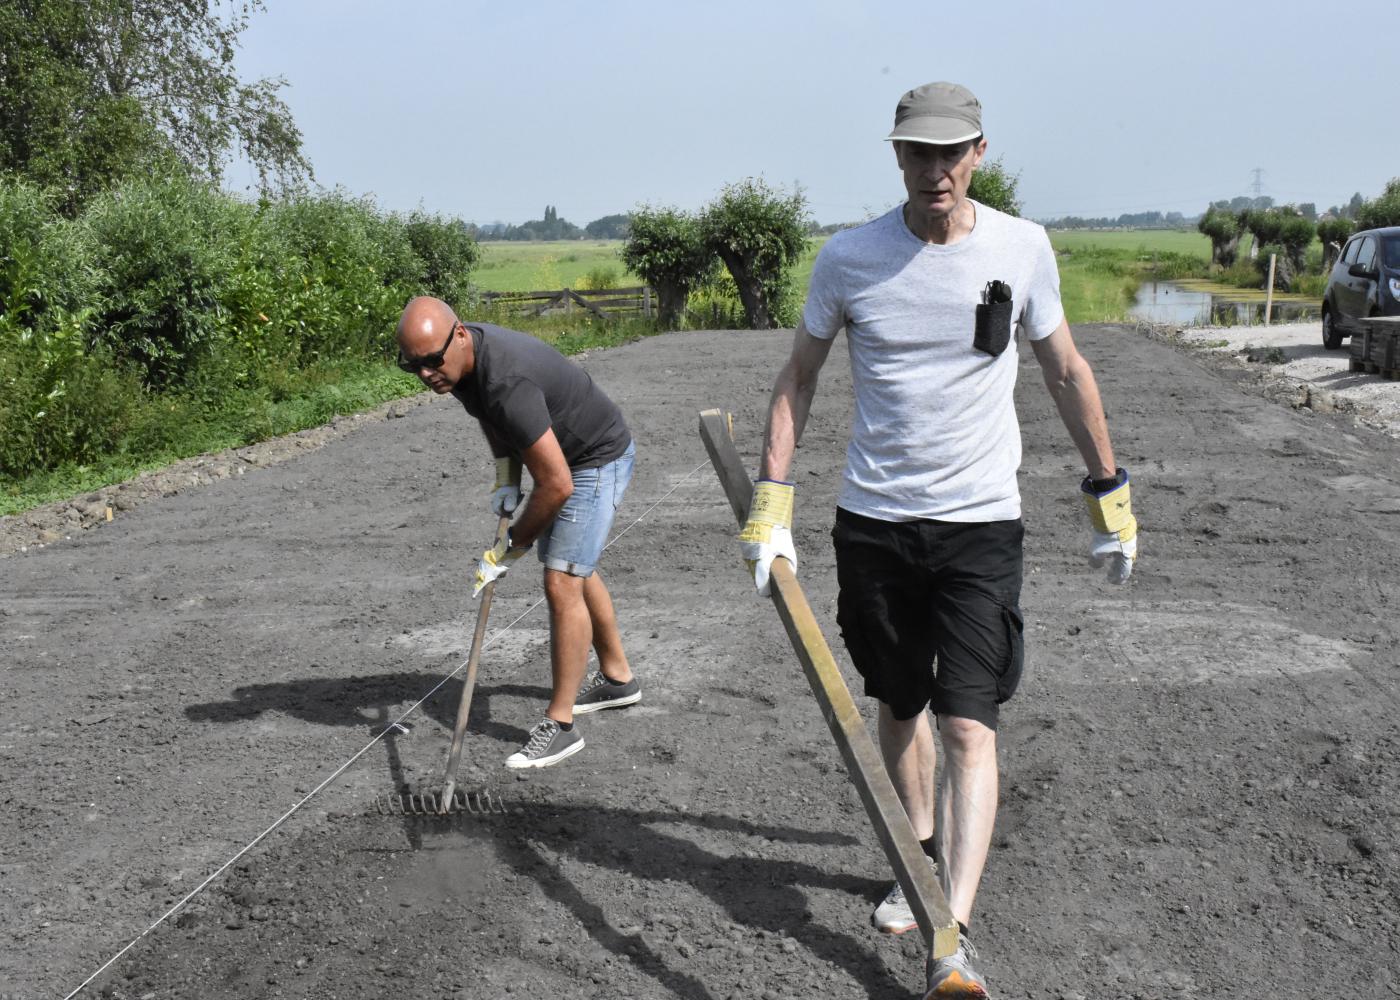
<point>1366,256</point>
<point>1349,254</point>
<point>1391,252</point>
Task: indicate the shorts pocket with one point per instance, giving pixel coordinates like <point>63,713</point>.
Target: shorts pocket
<point>992,331</point>
<point>1015,628</point>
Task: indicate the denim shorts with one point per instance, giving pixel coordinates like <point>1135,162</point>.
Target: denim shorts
<point>575,538</point>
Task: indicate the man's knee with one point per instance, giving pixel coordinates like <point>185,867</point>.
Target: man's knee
<point>561,589</point>
<point>967,736</point>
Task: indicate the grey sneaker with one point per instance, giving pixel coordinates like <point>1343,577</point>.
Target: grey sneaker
<point>599,692</point>
<point>954,977</point>
<point>893,915</point>
<point>548,744</point>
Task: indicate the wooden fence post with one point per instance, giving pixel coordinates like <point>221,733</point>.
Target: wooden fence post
<point>646,302</point>
<point>1269,297</point>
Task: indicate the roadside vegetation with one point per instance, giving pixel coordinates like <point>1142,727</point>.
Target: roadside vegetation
<point>147,315</point>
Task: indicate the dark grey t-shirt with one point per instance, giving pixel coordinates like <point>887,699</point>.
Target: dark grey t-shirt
<point>520,387</point>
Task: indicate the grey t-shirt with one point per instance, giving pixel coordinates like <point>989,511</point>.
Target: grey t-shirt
<point>934,433</point>
<point>520,387</point>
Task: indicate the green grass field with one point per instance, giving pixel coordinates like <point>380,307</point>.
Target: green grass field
<point>519,266</point>
<point>1143,240</point>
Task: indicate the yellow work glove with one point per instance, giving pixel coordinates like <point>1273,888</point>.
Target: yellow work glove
<point>768,531</point>
<point>496,561</point>
<point>1114,527</point>
<point>507,495</point>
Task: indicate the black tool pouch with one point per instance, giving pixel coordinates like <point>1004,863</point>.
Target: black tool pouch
<point>993,329</point>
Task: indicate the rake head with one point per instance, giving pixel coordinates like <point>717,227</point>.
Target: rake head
<point>435,804</point>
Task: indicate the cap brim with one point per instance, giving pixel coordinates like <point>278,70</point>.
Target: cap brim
<point>934,131</point>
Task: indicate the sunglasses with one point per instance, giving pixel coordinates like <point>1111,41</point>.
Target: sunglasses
<point>414,365</point>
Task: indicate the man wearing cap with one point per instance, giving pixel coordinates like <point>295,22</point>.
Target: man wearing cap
<point>538,409</point>
<point>928,534</point>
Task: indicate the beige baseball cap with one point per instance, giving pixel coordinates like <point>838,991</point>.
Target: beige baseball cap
<point>937,113</point>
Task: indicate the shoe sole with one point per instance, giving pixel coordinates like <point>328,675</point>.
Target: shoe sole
<point>961,990</point>
<point>546,761</point>
<point>623,702</point>
<point>896,928</point>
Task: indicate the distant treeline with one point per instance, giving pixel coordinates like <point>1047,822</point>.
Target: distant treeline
<point>552,227</point>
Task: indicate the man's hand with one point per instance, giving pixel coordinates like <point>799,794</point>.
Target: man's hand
<point>1115,528</point>
<point>507,495</point>
<point>768,531</point>
<point>496,561</point>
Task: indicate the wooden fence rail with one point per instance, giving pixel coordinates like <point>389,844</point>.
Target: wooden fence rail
<point>604,303</point>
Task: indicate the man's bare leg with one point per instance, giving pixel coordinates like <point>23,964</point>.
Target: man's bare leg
<point>967,809</point>
<point>607,640</point>
<point>570,634</point>
<point>910,757</point>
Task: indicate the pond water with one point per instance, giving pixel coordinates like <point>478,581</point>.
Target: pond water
<point>1168,302</point>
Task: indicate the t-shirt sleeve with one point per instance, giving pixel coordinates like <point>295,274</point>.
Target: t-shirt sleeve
<point>1043,311</point>
<point>825,312</point>
<point>520,414</point>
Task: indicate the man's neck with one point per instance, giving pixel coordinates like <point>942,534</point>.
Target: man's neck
<point>953,227</point>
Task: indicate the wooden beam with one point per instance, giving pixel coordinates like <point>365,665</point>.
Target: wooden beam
<point>576,297</point>
<point>863,763</point>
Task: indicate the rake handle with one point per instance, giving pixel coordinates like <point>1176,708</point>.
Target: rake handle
<point>464,707</point>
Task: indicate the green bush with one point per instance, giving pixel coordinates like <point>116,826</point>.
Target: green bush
<point>598,279</point>
<point>993,185</point>
<point>164,250</point>
<point>171,317</point>
<point>349,271</point>
<point>448,253</point>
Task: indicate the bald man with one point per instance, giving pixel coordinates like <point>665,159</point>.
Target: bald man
<point>540,410</point>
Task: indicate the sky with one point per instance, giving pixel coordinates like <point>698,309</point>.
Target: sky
<point>491,111</point>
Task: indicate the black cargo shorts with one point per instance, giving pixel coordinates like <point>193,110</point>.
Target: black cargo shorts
<point>930,612</point>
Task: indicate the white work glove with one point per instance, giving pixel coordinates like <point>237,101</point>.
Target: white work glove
<point>768,531</point>
<point>496,561</point>
<point>507,495</point>
<point>1114,528</point>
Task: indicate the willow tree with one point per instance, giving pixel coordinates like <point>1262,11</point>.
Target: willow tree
<point>759,233</point>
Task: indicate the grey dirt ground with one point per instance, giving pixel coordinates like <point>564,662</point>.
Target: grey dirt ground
<point>1201,772</point>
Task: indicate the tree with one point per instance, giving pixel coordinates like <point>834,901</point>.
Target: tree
<point>995,187</point>
<point>1333,233</point>
<point>665,246</point>
<point>1223,230</point>
<point>1383,210</point>
<point>759,233</point>
<point>1284,233</point>
<point>94,90</point>
<point>609,227</point>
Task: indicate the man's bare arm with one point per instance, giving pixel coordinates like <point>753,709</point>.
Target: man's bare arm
<point>1071,383</point>
<point>791,403</point>
<point>553,484</point>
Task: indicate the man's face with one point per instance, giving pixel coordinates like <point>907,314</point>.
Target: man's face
<point>437,362</point>
<point>936,177</point>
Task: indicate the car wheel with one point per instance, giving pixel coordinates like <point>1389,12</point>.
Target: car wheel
<point>1331,337</point>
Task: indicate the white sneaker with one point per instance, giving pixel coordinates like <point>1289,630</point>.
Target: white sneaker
<point>893,915</point>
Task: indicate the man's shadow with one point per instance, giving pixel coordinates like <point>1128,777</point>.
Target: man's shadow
<point>372,701</point>
<point>762,894</point>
